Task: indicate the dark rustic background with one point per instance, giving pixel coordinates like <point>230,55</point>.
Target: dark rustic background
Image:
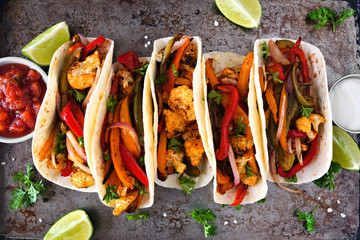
<point>127,23</point>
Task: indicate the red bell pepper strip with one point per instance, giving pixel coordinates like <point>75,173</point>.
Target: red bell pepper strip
<point>304,65</point>
<point>240,194</point>
<point>276,68</point>
<point>93,45</point>
<point>68,169</point>
<point>230,109</point>
<point>103,130</point>
<point>306,161</point>
<point>161,126</point>
<point>292,133</point>
<point>68,117</point>
<point>78,114</point>
<point>77,45</point>
<point>114,86</point>
<point>131,164</point>
<point>174,66</point>
<point>130,60</point>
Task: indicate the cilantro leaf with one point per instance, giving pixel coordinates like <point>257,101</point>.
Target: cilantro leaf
<point>305,111</point>
<point>324,15</point>
<point>81,141</point>
<point>328,180</point>
<point>137,216</point>
<point>160,80</point>
<point>140,187</point>
<point>60,143</point>
<point>309,219</point>
<point>224,205</point>
<point>78,95</point>
<point>111,103</point>
<point>240,128</point>
<point>175,145</point>
<point>261,201</point>
<point>265,50</point>
<point>141,161</point>
<point>142,70</point>
<point>204,216</point>
<point>344,15</point>
<point>245,99</point>
<point>249,172</point>
<point>292,179</point>
<point>110,194</point>
<point>216,96</point>
<point>175,72</point>
<point>107,157</point>
<point>238,207</point>
<point>187,184</point>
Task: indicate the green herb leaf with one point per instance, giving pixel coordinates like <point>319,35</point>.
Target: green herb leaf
<point>224,205</point>
<point>216,96</point>
<point>240,128</point>
<point>309,219</point>
<point>261,201</point>
<point>175,72</point>
<point>265,50</point>
<point>27,197</point>
<point>141,161</point>
<point>344,15</point>
<point>238,207</point>
<point>140,187</point>
<point>137,216</point>
<point>328,180</point>
<point>245,99</point>
<point>276,77</point>
<point>204,216</point>
<point>60,143</point>
<point>306,111</point>
<point>187,184</point>
<point>81,141</point>
<point>78,95</point>
<point>175,145</point>
<point>160,80</point>
<point>111,103</point>
<point>110,194</point>
<point>142,70</point>
<point>249,172</point>
<point>107,157</point>
<point>74,167</point>
<point>292,179</point>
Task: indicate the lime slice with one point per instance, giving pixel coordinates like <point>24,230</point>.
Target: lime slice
<point>345,150</point>
<point>246,13</point>
<point>41,49</point>
<point>74,225</point>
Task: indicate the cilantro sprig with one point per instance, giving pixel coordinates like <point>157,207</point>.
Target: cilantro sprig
<point>28,196</point>
<point>240,128</point>
<point>111,103</point>
<point>110,194</point>
<point>137,216</point>
<point>140,187</point>
<point>60,143</point>
<point>216,96</point>
<point>160,80</point>
<point>309,219</point>
<point>204,216</point>
<point>249,172</point>
<point>261,201</point>
<point>142,70</point>
<point>292,179</point>
<point>81,141</point>
<point>265,50</point>
<point>78,95</point>
<point>175,72</point>
<point>175,145</point>
<point>187,184</point>
<point>306,111</point>
<point>326,15</point>
<point>328,180</point>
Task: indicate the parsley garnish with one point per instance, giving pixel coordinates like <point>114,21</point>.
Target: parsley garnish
<point>305,112</point>
<point>187,184</point>
<point>328,180</point>
<point>240,128</point>
<point>141,161</point>
<point>78,95</point>
<point>27,197</point>
<point>175,72</point>
<point>249,172</point>
<point>275,76</point>
<point>292,179</point>
<point>325,15</point>
<point>137,216</point>
<point>175,145</point>
<point>224,205</point>
<point>81,141</point>
<point>140,187</point>
<point>204,216</point>
<point>261,201</point>
<point>60,143</point>
<point>265,50</point>
<point>217,96</point>
<point>142,70</point>
<point>111,103</point>
<point>309,219</point>
<point>238,207</point>
<point>110,193</point>
<point>160,80</point>
<point>107,157</point>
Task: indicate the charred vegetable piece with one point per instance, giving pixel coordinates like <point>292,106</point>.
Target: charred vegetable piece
<point>137,110</point>
<point>282,44</point>
<point>285,159</point>
<point>167,52</point>
<point>303,98</point>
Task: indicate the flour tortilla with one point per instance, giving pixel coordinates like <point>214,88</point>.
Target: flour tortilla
<point>319,91</point>
<point>254,194</point>
<point>97,152</point>
<point>47,117</point>
<point>206,172</point>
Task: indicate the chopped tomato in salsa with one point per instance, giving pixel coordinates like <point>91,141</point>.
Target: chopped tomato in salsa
<point>21,92</point>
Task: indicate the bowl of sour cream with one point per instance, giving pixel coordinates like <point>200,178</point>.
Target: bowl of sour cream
<point>345,103</point>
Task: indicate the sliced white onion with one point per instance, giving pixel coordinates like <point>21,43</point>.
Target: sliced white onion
<point>73,156</point>
<point>83,39</point>
<point>289,145</point>
<point>179,43</point>
<point>277,55</point>
<point>233,166</point>
<point>86,100</point>
<point>265,78</point>
<point>75,144</point>
<point>298,150</point>
<point>274,175</point>
<point>129,129</point>
<point>281,121</point>
<point>230,81</point>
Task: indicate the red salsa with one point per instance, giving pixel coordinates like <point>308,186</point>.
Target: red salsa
<point>21,92</point>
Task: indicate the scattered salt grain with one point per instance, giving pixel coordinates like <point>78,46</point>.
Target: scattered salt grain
<point>216,23</point>
<point>319,198</point>
<point>12,159</point>
<point>164,214</point>
<point>226,222</point>
<point>338,201</point>
<point>329,210</point>
<point>146,37</point>
<point>148,43</point>
<point>40,220</point>
<point>3,163</point>
<point>342,215</point>
<point>235,221</point>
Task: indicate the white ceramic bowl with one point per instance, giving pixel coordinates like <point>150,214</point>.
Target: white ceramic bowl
<point>7,60</point>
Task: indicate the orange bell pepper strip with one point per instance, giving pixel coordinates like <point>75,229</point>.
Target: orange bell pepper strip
<point>160,102</point>
<point>125,135</point>
<point>252,162</point>
<point>261,79</point>
<point>113,180</point>
<point>115,152</point>
<point>221,177</point>
<point>282,114</point>
<point>243,81</point>
<point>269,95</point>
<point>210,73</point>
<point>183,81</point>
<point>161,154</point>
<point>46,147</point>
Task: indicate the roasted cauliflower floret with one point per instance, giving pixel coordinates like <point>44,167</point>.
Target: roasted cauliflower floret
<point>174,160</point>
<point>82,75</point>
<point>316,120</point>
<point>304,124</point>
<point>244,178</point>
<point>194,148</point>
<point>124,202</point>
<point>126,81</point>
<point>174,124</point>
<point>228,73</point>
<point>82,179</point>
<point>241,143</point>
<point>181,100</point>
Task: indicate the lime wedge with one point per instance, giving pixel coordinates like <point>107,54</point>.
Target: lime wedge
<point>41,49</point>
<point>345,150</point>
<point>74,225</point>
<point>246,13</point>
